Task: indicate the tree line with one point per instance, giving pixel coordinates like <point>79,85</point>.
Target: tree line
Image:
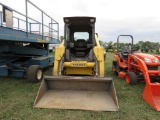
<point>144,46</point>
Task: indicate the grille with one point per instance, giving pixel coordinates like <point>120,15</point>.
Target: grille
<point>152,67</point>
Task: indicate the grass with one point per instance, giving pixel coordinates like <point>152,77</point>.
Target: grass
<point>17,97</point>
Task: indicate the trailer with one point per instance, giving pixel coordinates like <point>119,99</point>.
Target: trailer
<point>24,45</point>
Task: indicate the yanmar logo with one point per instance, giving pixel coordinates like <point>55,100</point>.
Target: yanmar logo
<point>80,65</point>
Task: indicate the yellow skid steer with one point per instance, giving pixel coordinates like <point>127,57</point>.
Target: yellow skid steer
<point>78,80</point>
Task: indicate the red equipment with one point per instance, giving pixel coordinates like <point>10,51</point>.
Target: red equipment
<point>135,66</point>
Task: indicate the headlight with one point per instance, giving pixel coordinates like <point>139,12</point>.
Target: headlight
<point>92,20</point>
<point>156,60</point>
<point>147,60</point>
<point>66,20</point>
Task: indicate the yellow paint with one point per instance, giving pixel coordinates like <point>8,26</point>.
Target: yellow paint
<point>99,54</point>
<point>59,51</point>
<point>97,41</point>
<point>79,71</point>
<point>41,41</point>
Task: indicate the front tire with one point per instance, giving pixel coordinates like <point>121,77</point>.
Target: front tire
<point>131,78</point>
<point>34,73</point>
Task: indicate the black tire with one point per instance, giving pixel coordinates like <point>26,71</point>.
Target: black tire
<point>34,73</point>
<point>131,78</point>
<point>117,68</point>
<point>114,63</point>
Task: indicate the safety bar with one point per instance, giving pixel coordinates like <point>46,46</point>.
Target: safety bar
<point>29,24</point>
<point>123,35</point>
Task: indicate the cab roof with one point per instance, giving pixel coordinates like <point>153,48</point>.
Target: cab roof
<point>79,19</point>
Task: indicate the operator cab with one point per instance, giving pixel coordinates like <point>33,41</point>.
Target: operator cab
<point>81,44</point>
<point>79,38</point>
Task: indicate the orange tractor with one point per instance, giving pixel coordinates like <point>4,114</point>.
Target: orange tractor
<point>135,66</point>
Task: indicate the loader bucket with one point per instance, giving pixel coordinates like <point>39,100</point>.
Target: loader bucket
<point>73,92</point>
<point>151,95</point>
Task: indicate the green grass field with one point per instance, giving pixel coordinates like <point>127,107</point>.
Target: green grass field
<point>17,96</point>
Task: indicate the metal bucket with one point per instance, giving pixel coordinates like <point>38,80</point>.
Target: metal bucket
<point>151,95</point>
<point>73,92</point>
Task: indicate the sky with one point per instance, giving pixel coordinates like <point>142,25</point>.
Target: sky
<point>139,18</point>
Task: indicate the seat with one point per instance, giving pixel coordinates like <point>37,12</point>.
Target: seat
<point>80,48</point>
<point>125,51</point>
<point>80,44</point>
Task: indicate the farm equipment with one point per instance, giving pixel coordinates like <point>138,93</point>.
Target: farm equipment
<point>135,66</point>
<point>78,81</point>
<point>24,51</point>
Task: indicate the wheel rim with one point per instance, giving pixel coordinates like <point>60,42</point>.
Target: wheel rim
<point>39,74</point>
<point>128,80</point>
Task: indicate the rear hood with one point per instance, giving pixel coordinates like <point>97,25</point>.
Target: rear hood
<point>143,55</point>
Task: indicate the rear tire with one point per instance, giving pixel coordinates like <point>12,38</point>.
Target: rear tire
<point>34,73</point>
<point>131,78</point>
<point>117,68</point>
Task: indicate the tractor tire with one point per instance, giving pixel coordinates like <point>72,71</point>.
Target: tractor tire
<point>34,73</point>
<point>131,78</point>
<point>114,63</point>
<point>117,68</point>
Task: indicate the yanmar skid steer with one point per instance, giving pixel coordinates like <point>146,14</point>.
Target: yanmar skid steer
<point>78,81</point>
<point>135,66</point>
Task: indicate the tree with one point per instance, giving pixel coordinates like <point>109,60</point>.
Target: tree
<point>61,38</point>
<point>102,43</point>
<point>109,45</point>
<point>140,42</point>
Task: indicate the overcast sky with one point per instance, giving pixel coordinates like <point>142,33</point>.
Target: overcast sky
<point>140,18</point>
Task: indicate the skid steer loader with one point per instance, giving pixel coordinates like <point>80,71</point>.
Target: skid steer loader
<point>78,80</point>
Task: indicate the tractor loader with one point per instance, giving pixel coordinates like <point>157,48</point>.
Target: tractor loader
<point>135,67</point>
<point>78,80</point>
